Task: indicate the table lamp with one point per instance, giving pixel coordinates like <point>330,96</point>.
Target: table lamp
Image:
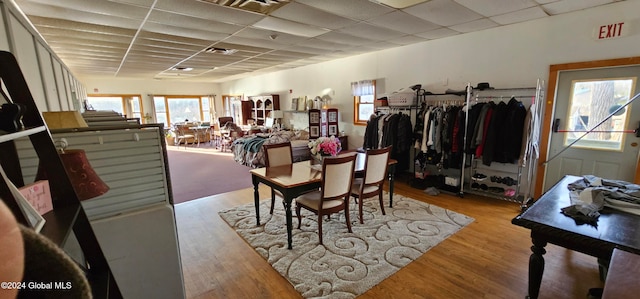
<point>85,181</point>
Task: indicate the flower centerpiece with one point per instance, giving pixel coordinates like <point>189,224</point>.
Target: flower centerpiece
<point>324,146</point>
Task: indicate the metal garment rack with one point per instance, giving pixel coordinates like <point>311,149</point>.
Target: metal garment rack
<point>535,94</point>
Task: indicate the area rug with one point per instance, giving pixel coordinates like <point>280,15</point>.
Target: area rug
<point>200,172</point>
<point>349,263</point>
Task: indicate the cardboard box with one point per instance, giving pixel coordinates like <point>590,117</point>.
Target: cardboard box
<point>38,195</point>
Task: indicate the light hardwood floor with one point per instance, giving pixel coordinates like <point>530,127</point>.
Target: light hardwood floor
<point>487,259</point>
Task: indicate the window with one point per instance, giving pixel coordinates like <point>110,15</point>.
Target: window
<point>175,109</point>
<point>129,106</point>
<point>591,102</point>
<point>364,95</point>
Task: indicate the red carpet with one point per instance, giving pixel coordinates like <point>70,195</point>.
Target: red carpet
<point>204,171</point>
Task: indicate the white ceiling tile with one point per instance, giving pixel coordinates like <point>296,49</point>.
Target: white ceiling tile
<point>290,27</point>
<point>407,40</point>
<point>272,36</point>
<point>188,22</point>
<point>496,7</point>
<point>344,38</point>
<point>476,25</point>
<point>209,11</point>
<point>310,15</point>
<point>400,3</point>
<point>443,12</point>
<point>520,16</point>
<point>565,6</point>
<point>403,22</point>
<point>371,31</point>
<point>438,33</point>
<point>355,9</point>
<point>178,31</point>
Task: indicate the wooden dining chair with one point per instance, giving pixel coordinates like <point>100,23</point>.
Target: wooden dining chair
<point>333,196</point>
<point>277,154</point>
<point>376,165</point>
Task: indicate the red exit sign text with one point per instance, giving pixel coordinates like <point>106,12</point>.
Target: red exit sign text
<point>610,30</point>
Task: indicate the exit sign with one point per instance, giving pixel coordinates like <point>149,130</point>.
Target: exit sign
<point>612,30</point>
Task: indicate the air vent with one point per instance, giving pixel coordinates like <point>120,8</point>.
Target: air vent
<point>220,50</point>
<point>259,6</point>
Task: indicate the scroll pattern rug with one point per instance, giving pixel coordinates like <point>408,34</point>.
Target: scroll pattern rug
<point>349,263</point>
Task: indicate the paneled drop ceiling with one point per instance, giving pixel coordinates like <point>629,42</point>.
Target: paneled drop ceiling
<point>219,40</point>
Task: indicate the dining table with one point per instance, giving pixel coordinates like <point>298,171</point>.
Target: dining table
<point>300,177</point>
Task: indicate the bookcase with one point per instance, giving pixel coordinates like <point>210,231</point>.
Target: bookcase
<point>261,106</point>
<point>68,216</point>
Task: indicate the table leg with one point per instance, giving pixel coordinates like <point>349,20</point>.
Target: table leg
<point>286,201</point>
<point>256,198</point>
<point>536,267</point>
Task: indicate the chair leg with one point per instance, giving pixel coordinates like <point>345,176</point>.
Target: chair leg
<point>360,210</point>
<point>299,215</point>
<point>273,200</point>
<point>320,227</point>
<point>346,212</point>
<point>381,203</point>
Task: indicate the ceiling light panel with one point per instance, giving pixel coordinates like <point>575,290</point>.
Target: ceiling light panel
<point>520,16</point>
<point>354,9</point>
<point>290,27</point>
<point>312,16</point>
<point>443,12</point>
<point>403,22</point>
<point>496,7</point>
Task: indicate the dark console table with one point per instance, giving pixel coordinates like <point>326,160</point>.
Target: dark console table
<point>615,229</point>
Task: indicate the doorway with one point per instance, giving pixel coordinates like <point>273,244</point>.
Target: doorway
<point>586,94</point>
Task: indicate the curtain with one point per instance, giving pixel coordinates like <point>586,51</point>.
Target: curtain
<point>363,87</point>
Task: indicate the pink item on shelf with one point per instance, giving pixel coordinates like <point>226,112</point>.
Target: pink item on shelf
<point>38,195</point>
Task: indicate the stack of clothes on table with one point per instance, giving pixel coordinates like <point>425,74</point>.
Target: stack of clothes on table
<point>591,194</point>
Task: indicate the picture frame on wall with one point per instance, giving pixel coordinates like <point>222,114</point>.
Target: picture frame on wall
<point>294,104</point>
<point>314,132</point>
<point>333,130</point>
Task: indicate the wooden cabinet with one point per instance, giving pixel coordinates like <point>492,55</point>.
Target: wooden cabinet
<point>261,106</point>
<point>68,216</point>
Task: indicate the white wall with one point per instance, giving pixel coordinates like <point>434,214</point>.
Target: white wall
<point>509,56</point>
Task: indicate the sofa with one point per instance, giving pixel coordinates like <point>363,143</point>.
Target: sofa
<point>248,150</point>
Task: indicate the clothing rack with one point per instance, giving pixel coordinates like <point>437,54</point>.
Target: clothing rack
<point>531,151</point>
<point>445,167</point>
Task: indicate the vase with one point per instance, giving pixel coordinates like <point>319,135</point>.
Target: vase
<point>317,159</point>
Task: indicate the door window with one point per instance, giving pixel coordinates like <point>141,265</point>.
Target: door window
<point>591,102</point>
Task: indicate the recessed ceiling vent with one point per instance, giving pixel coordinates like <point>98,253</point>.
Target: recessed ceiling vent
<point>259,6</point>
<point>220,50</point>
